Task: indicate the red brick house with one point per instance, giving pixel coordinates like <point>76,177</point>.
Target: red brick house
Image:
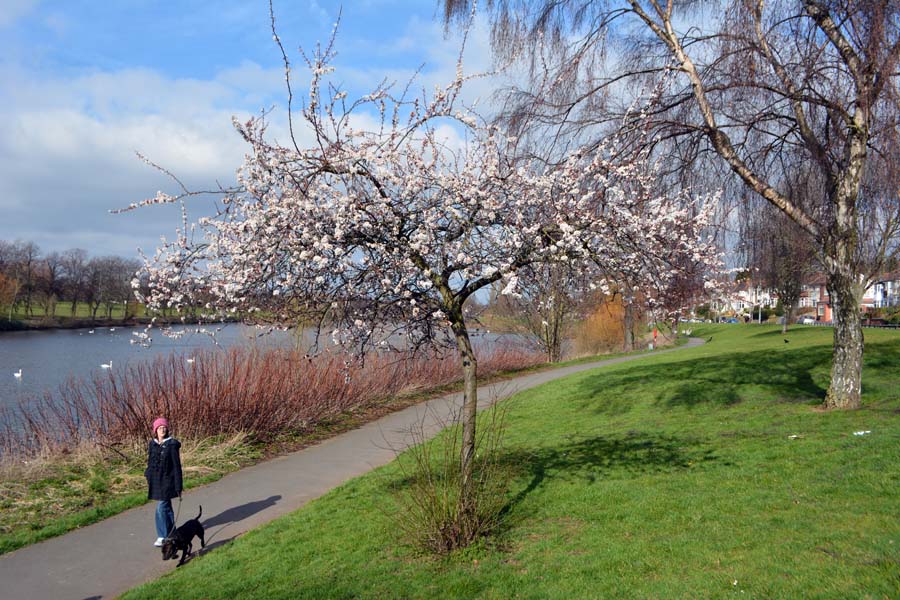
<point>814,294</point>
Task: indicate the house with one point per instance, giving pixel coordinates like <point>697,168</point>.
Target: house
<point>742,296</point>
<point>886,291</point>
<point>814,294</point>
<point>813,291</point>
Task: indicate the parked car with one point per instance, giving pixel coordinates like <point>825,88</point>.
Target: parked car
<point>732,320</point>
<point>807,320</point>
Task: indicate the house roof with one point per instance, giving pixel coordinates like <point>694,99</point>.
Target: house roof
<point>816,279</point>
<point>888,276</point>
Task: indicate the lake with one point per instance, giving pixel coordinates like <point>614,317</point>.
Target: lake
<point>49,358</point>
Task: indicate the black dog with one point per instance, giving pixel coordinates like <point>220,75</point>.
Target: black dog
<point>180,539</point>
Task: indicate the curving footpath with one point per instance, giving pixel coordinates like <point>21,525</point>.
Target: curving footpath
<point>110,557</point>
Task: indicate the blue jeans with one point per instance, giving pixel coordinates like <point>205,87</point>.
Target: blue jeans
<point>165,518</point>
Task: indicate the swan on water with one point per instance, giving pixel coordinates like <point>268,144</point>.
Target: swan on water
<point>18,374</point>
<point>108,366</point>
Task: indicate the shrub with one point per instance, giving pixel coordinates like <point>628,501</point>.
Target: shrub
<point>432,515</point>
<point>603,330</point>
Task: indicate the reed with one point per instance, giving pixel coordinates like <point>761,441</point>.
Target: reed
<point>225,392</point>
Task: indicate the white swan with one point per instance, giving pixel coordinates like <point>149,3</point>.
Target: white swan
<point>191,360</point>
<point>18,374</point>
<point>109,366</point>
<point>91,331</point>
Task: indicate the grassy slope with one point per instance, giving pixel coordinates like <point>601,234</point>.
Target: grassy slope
<point>671,478</point>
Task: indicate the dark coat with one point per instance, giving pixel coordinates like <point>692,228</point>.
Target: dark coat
<point>163,469</point>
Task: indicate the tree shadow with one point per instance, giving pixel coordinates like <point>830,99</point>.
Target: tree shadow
<point>598,457</point>
<point>715,380</point>
<point>882,355</point>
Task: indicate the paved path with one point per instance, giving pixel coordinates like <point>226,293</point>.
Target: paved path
<point>110,557</point>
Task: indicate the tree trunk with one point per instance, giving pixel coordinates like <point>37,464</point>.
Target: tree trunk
<point>554,341</point>
<point>628,318</point>
<point>788,316</point>
<point>845,287</point>
<point>469,411</point>
<point>846,361</point>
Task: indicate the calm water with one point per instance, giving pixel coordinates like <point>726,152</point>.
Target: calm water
<point>49,358</point>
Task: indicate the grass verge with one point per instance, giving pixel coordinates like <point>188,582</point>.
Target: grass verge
<point>707,473</point>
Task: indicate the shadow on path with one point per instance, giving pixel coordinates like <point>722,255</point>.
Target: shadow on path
<point>239,513</point>
<point>233,515</point>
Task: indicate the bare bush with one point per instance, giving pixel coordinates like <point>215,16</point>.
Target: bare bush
<point>431,513</point>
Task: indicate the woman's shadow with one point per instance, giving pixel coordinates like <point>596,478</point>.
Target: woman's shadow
<point>233,515</point>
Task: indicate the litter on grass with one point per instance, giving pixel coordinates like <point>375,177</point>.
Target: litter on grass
<point>862,432</point>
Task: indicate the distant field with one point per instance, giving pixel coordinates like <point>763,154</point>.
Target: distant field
<point>707,473</point>
<point>82,311</point>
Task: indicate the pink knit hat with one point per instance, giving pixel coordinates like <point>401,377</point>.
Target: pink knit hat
<point>159,423</point>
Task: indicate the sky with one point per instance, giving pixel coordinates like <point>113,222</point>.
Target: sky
<point>85,85</point>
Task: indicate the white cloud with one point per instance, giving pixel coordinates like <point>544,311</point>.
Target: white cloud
<point>67,146</point>
<point>67,152</point>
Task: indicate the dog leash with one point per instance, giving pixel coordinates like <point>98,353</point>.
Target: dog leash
<point>175,522</point>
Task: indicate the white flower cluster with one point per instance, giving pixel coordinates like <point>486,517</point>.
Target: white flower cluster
<point>391,226</point>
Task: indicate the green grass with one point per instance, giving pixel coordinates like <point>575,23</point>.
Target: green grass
<point>673,477</point>
<point>64,311</point>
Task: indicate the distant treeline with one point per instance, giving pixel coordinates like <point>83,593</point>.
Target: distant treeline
<point>35,284</point>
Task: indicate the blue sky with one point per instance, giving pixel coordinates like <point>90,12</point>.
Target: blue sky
<point>85,84</point>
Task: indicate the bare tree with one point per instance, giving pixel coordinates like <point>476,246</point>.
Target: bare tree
<point>50,282</point>
<point>19,262</point>
<point>96,272</point>
<point>8,289</point>
<point>11,282</point>
<point>28,259</point>
<point>74,264</point>
<point>757,84</point>
<point>109,282</point>
<point>546,305</point>
<point>116,283</point>
<point>777,251</point>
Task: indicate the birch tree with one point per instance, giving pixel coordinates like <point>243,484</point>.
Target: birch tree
<point>759,84</point>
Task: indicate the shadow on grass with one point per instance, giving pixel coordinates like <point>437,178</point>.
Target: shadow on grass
<point>716,380</point>
<point>602,457</point>
<point>881,355</point>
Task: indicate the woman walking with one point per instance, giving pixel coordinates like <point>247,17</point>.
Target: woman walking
<point>163,477</point>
